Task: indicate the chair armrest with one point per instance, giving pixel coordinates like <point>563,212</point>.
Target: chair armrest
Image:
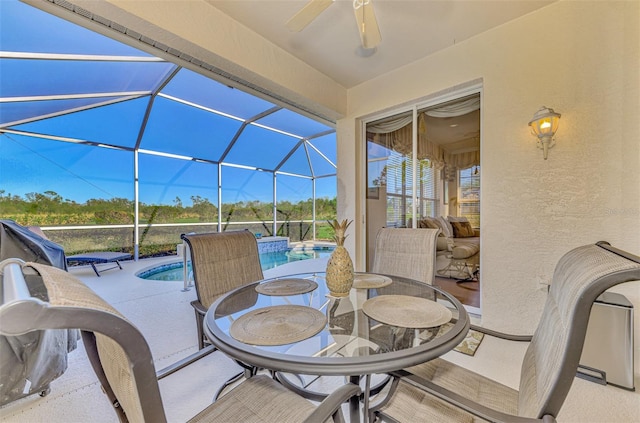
<point>444,243</point>
<point>200,309</point>
<point>333,403</point>
<point>441,243</point>
<point>466,404</point>
<point>180,364</point>
<point>507,336</point>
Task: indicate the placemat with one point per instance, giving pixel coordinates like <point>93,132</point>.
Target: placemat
<point>470,343</point>
<point>406,311</point>
<point>278,325</point>
<point>289,286</point>
<point>369,281</point>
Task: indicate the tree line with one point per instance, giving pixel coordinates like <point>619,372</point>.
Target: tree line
<point>49,209</point>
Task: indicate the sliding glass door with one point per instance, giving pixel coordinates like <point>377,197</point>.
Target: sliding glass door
<point>423,162</point>
<point>392,183</point>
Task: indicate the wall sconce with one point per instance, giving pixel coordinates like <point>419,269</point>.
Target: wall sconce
<point>544,126</point>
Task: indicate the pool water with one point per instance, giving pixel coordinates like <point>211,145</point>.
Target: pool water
<point>174,271</point>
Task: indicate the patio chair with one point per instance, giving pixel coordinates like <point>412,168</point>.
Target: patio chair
<point>409,253</point>
<point>122,360</point>
<point>441,391</point>
<point>221,261</point>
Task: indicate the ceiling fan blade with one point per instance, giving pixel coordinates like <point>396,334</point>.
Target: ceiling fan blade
<point>368,25</point>
<point>307,14</point>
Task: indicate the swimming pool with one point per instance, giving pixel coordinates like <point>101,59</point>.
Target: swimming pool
<point>268,260</point>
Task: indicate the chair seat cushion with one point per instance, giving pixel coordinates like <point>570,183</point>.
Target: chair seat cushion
<point>257,400</point>
<point>410,404</point>
<point>470,385</point>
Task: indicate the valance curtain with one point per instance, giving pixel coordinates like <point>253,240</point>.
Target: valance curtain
<point>396,134</point>
<point>389,125</point>
<point>458,108</point>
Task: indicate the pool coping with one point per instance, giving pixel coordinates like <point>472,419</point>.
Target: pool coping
<point>178,261</point>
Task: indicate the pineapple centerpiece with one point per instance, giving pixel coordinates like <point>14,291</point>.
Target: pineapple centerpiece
<point>340,266</point>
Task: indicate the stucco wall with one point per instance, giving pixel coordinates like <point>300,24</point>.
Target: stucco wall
<point>582,59</point>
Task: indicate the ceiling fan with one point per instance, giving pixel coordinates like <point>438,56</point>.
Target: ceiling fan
<point>364,13</point>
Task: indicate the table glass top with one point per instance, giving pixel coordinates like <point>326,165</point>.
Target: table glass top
<point>313,325</point>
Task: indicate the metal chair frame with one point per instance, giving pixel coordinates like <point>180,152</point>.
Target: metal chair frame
<point>614,267</point>
<point>79,307</point>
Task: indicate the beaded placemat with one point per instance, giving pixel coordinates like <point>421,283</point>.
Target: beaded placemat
<point>369,281</point>
<point>406,311</point>
<point>278,325</point>
<point>288,286</point>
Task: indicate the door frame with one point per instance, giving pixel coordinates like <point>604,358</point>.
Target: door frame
<point>475,87</point>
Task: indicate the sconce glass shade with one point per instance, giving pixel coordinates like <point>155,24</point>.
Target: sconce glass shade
<point>544,126</point>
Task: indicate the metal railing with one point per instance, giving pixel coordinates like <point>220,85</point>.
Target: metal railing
<point>102,237</point>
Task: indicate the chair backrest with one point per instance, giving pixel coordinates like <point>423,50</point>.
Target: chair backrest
<point>410,253</point>
<point>222,261</point>
<point>552,359</point>
<point>117,350</point>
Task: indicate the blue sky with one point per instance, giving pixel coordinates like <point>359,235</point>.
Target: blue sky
<point>191,116</point>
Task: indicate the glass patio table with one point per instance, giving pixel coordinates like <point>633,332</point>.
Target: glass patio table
<point>293,325</point>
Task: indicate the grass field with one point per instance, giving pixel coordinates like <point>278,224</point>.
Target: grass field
<point>162,240</point>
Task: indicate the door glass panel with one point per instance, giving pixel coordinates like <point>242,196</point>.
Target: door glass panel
<point>446,171</point>
<point>449,135</point>
<point>389,175</point>
<point>469,195</point>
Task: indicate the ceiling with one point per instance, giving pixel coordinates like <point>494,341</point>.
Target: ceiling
<point>456,134</point>
<point>411,30</point>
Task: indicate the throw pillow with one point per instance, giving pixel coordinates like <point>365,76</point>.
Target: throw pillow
<point>436,224</point>
<point>447,229</point>
<point>429,223</point>
<point>462,229</point>
<point>457,219</point>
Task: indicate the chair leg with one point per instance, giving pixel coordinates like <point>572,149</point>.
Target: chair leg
<point>199,324</point>
<point>228,383</point>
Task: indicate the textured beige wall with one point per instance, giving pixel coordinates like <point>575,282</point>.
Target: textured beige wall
<point>580,58</point>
